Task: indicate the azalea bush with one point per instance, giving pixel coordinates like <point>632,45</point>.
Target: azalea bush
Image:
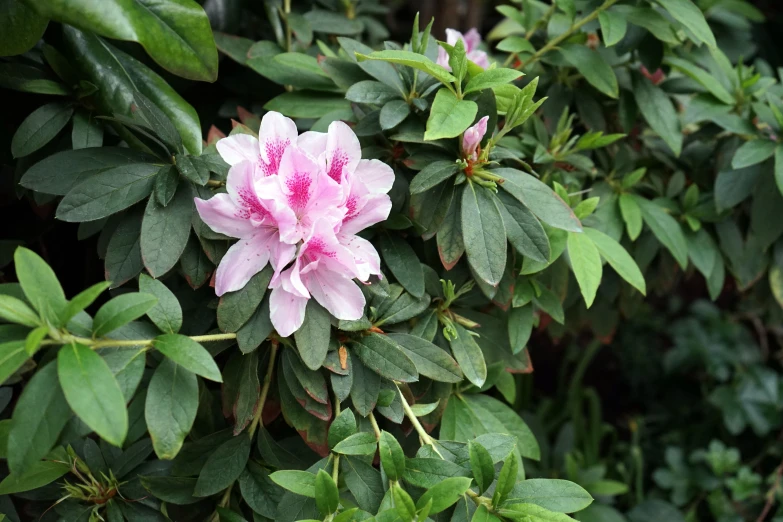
<point>325,278</point>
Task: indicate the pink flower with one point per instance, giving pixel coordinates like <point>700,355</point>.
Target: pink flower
<point>472,137</point>
<point>301,199</point>
<point>471,40</point>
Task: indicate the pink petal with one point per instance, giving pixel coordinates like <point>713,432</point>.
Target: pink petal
<point>275,135</point>
<point>343,151</point>
<point>240,185</point>
<point>368,262</point>
<point>443,58</point>
<point>222,215</point>
<point>371,210</point>
<point>313,142</point>
<point>376,176</point>
<point>452,36</point>
<point>299,177</point>
<point>480,58</point>
<point>473,136</point>
<point>286,311</point>
<point>238,148</point>
<point>472,40</point>
<point>243,260</point>
<point>339,295</point>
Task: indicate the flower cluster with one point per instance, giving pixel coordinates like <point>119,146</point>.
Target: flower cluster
<point>471,40</point>
<point>297,202</point>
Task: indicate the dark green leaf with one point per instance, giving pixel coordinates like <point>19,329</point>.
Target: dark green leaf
<point>403,263</point>
<point>483,233</point>
<point>469,356</point>
<point>165,232</point>
<point>385,357</point>
<point>540,199</point>
<point>189,354</point>
<point>449,116</point>
<point>39,128</point>
<point>430,360</point>
<point>224,466</point>
<point>312,338</point>
<point>593,67</point>
<point>120,311</point>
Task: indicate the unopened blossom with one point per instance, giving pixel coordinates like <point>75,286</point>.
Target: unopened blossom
<point>471,40</point>
<point>471,139</point>
<point>297,202</point>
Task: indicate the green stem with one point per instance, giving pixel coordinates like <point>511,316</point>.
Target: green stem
<point>107,343</point>
<point>374,424</point>
<point>423,435</point>
<point>264,389</point>
<point>287,11</point>
<point>552,44</point>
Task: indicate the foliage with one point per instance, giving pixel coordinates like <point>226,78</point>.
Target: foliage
<point>146,397</point>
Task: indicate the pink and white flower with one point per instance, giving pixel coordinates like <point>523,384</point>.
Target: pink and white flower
<point>471,139</point>
<point>471,40</point>
<point>299,199</point>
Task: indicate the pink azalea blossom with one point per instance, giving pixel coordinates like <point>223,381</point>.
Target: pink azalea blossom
<point>472,137</point>
<point>471,40</point>
<point>301,199</point>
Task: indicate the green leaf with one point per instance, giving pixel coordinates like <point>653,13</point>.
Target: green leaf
<point>39,416</point>
<point>491,78</point>
<point>39,128</point>
<point>165,232</point>
<point>12,356</point>
<point>430,360</point>
<point>556,495</point>
<point>523,229</point>
<point>299,482</point>
<point>586,264</point>
<point>306,104</point>
<point>483,233</point>
<point>123,256</point>
<point>189,354</point>
<point>613,26</point>
<point>82,300</point>
<point>632,215</point>
<point>515,44</point>
<point>449,116</point>
<point>665,228</point>
<point>393,113</point>
<point>417,61</point>
<point>481,465</point>
<point>506,480</point>
<point>176,35</point>
<point>167,313</point>
<point>361,443</point>
<point>532,513</point>
<point>426,472</point>
<point>520,326</point>
<point>22,27</point>
<point>92,392</point>
<point>469,356</point>
<point>174,490</point>
<point>59,173</point>
<point>365,389</point>
<point>120,311</point>
<point>753,152</point>
<point>166,184</point>
<point>170,408</point>
<point>26,78</point>
<point>40,285</point>
<point>540,199</point>
<point>444,494</point>
<point>372,93</point>
<point>433,174</point>
<point>403,263</point>
<point>364,482</point>
<point>154,118</point>
<point>327,498</point>
<point>34,338</point>
<point>382,355</point>
<point>235,308</point>
<point>342,427</point>
<point>108,192</point>
<point>779,167</point>
<point>392,456</point>
<point>704,78</point>
<point>256,330</point>
<point>87,132</point>
<point>323,21</point>
<point>658,110</point>
<point>482,514</point>
<point>16,311</point>
<point>40,474</point>
<point>258,490</point>
<point>403,503</point>
<point>650,19</point>
<point>312,338</point>
<point>618,258</point>
<point>117,75</point>
<point>689,15</point>
<point>593,67</point>
<point>224,466</point>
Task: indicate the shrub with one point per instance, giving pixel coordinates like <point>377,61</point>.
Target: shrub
<point>326,313</point>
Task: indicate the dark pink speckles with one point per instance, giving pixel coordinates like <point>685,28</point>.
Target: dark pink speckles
<point>351,207</point>
<point>316,248</point>
<point>274,149</point>
<point>251,206</point>
<point>339,161</point>
<point>299,185</point>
